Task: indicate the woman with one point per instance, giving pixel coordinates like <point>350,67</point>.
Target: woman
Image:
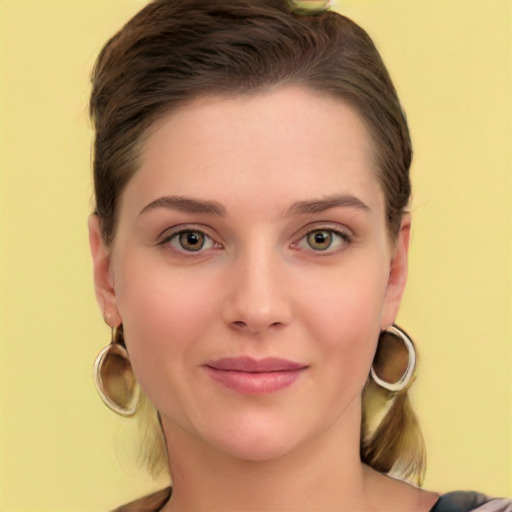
<point>250,253</point>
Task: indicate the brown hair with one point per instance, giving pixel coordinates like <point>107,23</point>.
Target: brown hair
<point>174,51</point>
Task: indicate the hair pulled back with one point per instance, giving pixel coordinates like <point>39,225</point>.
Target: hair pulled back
<point>175,51</point>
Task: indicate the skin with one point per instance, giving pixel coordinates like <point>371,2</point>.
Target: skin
<point>259,287</point>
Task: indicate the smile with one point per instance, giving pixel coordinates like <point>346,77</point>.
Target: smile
<point>250,376</point>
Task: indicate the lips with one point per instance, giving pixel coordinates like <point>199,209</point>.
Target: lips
<point>250,376</point>
<point>249,365</point>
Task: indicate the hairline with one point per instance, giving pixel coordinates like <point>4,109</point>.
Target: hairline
<point>154,122</point>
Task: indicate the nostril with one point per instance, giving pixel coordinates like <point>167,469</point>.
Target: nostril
<point>240,325</point>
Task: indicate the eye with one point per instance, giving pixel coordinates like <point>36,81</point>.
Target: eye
<point>323,240</point>
<point>189,240</point>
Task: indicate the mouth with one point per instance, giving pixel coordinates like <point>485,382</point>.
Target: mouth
<point>250,376</point>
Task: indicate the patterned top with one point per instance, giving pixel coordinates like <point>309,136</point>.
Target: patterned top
<point>457,501</point>
<point>466,501</point>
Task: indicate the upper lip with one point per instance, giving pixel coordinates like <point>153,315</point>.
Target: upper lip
<point>249,365</point>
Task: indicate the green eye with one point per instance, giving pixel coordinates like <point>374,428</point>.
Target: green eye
<point>320,240</point>
<point>323,240</point>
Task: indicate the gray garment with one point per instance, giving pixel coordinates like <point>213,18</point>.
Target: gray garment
<point>470,501</point>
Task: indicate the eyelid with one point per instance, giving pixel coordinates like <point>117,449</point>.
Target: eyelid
<point>326,226</point>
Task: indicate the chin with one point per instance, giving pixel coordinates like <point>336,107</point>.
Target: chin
<point>257,443</point>
<point>258,450</point>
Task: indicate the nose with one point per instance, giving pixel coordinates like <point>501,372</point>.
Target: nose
<point>255,297</point>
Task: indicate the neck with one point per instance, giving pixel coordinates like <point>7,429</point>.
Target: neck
<point>324,473</point>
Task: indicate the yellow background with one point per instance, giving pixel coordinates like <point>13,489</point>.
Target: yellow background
<point>61,449</point>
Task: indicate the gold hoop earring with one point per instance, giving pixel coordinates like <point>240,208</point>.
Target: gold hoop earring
<point>393,367</point>
<point>114,379</point>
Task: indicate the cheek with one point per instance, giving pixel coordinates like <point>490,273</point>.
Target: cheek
<point>345,316</point>
<point>350,297</point>
<point>164,313</point>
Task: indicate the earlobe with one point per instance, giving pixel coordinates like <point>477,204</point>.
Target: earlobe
<point>397,274</point>
<point>103,281</point>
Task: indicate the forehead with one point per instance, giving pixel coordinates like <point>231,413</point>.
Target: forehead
<point>291,140</point>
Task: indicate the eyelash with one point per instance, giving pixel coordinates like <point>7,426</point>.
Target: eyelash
<point>344,239</point>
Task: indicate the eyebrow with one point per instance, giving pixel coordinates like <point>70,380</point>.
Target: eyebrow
<point>189,205</point>
<point>320,205</point>
<point>186,204</point>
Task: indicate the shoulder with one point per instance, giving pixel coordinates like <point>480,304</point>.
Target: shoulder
<point>470,501</point>
<point>151,503</point>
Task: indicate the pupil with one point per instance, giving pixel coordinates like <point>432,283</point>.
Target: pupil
<point>192,239</point>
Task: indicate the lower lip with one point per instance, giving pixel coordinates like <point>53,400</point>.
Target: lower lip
<point>254,383</point>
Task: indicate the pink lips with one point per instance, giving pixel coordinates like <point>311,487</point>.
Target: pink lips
<point>250,376</point>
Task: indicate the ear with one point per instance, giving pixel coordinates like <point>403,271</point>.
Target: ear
<point>103,280</point>
<point>397,274</point>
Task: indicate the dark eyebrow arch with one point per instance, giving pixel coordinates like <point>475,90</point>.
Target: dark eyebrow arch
<point>320,205</point>
<point>186,204</point>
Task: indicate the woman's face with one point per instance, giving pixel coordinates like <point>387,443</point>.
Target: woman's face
<point>252,270</point>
